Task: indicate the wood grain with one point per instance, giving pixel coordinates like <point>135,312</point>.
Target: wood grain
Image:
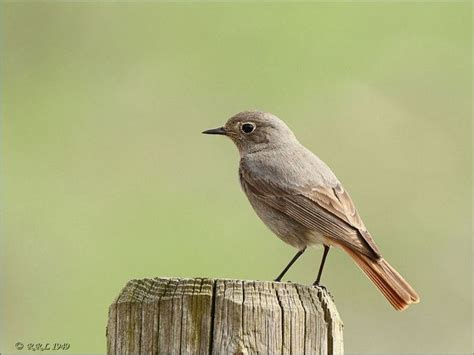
<point>207,316</point>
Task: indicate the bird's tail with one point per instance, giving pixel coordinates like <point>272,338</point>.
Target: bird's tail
<point>395,289</point>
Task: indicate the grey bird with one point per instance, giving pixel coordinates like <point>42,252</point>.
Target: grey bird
<point>300,199</point>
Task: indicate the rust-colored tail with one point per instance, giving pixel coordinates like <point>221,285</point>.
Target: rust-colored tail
<point>395,289</point>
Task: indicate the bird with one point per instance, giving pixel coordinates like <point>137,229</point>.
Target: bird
<point>300,199</point>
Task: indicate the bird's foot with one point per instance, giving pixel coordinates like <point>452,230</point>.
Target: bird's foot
<point>279,280</point>
<point>324,289</point>
<point>320,286</point>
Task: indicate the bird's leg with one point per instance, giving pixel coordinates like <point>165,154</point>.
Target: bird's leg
<point>298,254</point>
<point>321,266</point>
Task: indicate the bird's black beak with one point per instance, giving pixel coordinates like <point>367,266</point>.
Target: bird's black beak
<point>220,130</point>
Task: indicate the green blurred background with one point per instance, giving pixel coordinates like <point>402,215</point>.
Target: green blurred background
<point>106,177</point>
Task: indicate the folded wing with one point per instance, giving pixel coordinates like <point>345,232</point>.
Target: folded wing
<point>326,209</point>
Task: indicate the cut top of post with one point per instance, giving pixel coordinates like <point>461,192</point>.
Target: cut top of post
<point>208,316</point>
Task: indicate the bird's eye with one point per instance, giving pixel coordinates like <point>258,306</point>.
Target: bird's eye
<point>247,128</point>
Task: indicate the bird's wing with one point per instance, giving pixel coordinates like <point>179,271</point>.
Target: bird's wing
<point>328,210</point>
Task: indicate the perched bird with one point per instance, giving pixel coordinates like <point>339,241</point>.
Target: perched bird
<point>301,200</point>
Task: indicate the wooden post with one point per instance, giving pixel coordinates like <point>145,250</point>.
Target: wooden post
<point>205,316</point>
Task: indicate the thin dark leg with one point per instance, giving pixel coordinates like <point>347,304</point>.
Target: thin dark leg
<point>321,266</point>
<point>298,254</point>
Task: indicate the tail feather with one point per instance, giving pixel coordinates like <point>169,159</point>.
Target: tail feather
<point>392,285</point>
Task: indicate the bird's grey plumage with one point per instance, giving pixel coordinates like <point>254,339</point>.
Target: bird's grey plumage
<point>301,200</point>
<point>293,191</point>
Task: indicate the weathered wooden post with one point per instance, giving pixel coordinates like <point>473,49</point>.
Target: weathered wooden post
<point>206,316</point>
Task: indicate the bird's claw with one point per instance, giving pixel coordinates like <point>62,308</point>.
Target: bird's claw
<point>320,286</point>
<point>324,290</point>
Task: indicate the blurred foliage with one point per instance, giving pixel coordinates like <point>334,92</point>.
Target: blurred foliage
<point>106,177</point>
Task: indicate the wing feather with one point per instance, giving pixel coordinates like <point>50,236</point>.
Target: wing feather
<point>328,210</point>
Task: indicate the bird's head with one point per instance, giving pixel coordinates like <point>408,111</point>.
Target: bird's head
<point>253,131</point>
